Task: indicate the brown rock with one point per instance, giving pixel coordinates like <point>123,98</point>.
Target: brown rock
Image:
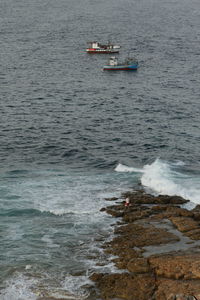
<point>50,298</point>
<point>196,216</point>
<point>195,267</point>
<point>193,234</point>
<point>111,199</point>
<point>184,224</point>
<point>181,297</point>
<point>158,208</point>
<point>172,199</point>
<point>125,255</point>
<point>173,211</point>
<point>174,276</point>
<point>126,286</point>
<point>142,198</point>
<point>167,287</point>
<point>135,235</point>
<point>177,211</point>
<point>138,265</point>
<point>133,216</point>
<point>171,297</point>
<point>176,266</point>
<point>115,213</point>
<point>197,208</point>
<point>103,209</point>
<point>96,276</point>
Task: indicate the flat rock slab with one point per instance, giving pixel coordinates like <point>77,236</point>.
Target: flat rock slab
<point>125,286</point>
<point>157,246</point>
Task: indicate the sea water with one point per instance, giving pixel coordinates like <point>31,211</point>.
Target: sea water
<point>72,135</point>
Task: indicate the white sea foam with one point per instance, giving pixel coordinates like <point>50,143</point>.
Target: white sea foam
<point>67,194</point>
<point>19,288</point>
<point>75,202</point>
<point>158,177</point>
<point>124,168</point>
<point>162,178</point>
<point>28,267</point>
<point>49,241</point>
<point>75,285</point>
<point>61,212</point>
<point>179,163</point>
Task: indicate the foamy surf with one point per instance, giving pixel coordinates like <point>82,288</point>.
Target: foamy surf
<point>75,285</point>
<point>23,287</point>
<point>19,287</point>
<point>55,223</point>
<point>162,177</point>
<point>124,168</point>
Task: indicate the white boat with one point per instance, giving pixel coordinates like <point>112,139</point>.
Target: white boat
<point>95,47</point>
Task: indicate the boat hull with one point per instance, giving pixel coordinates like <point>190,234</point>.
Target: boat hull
<point>102,51</point>
<point>121,68</point>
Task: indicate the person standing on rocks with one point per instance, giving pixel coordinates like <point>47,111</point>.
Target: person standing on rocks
<point>127,202</point>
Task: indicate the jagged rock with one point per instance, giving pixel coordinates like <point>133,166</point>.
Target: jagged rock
<point>115,213</point>
<point>133,216</point>
<point>158,208</point>
<point>103,209</point>
<point>164,212</point>
<point>142,198</point>
<point>96,276</point>
<point>193,234</point>
<point>142,236</point>
<point>197,208</point>
<point>111,199</point>
<point>181,297</point>
<point>168,287</point>
<point>184,223</point>
<point>125,255</point>
<point>196,216</point>
<point>171,297</point>
<point>138,265</point>
<point>126,286</point>
<point>177,211</point>
<point>176,266</point>
<point>50,298</point>
<point>171,199</point>
<point>172,276</point>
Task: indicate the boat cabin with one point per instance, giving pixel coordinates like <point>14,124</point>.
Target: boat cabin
<point>131,60</point>
<point>94,45</point>
<point>113,61</point>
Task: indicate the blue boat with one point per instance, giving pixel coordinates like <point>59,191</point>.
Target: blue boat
<point>130,64</point>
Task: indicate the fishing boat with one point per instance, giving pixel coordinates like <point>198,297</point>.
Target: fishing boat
<point>95,47</point>
<point>130,64</point>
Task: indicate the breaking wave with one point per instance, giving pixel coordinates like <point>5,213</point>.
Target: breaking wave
<point>19,287</point>
<point>123,168</point>
<point>165,178</point>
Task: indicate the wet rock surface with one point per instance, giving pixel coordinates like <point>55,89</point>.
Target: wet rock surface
<point>156,249</point>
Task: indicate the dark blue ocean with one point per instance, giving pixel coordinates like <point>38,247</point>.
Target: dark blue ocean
<point>72,135</point>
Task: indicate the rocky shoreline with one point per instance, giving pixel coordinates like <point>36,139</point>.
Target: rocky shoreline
<point>157,250</point>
